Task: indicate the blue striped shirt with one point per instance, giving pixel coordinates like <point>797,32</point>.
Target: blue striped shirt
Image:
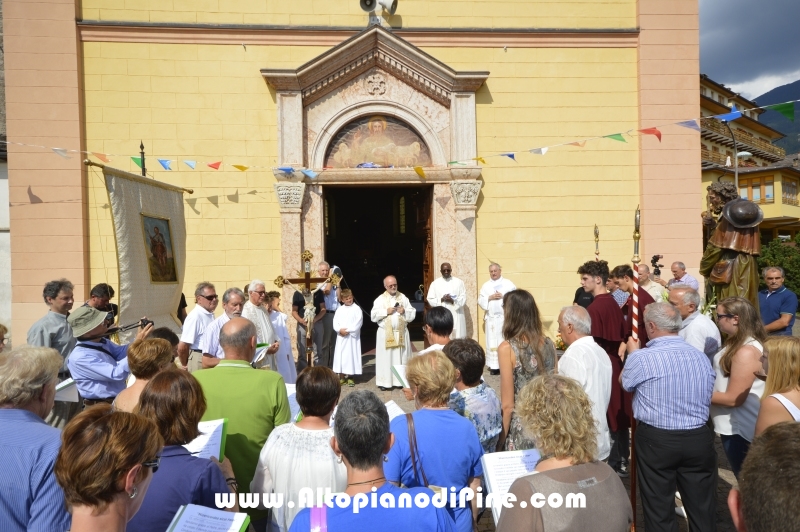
<point>30,498</point>
<point>673,383</point>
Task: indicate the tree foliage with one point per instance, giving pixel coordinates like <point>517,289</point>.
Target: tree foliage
<point>787,256</point>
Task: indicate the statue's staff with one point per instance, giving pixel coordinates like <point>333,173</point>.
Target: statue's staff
<point>596,243</point>
<point>635,334</point>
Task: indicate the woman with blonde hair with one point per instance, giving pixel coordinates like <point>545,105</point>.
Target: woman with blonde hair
<point>145,358</point>
<point>105,465</point>
<point>781,364</point>
<point>737,393</point>
<point>435,446</point>
<point>524,354</point>
<point>557,414</point>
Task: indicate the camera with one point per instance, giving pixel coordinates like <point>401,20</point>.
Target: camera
<point>145,322</point>
<point>656,266</point>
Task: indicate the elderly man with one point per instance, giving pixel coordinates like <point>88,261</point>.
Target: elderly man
<point>777,303</point>
<point>331,304</point>
<point>201,316</point>
<point>232,303</point>
<point>655,290</point>
<point>53,331</point>
<point>98,365</point>
<point>679,275</point>
<point>449,292</point>
<point>392,311</point>
<point>587,363</point>
<point>490,300</point>
<point>30,498</point>
<point>254,402</point>
<point>673,382</point>
<point>697,329</point>
<point>256,309</point>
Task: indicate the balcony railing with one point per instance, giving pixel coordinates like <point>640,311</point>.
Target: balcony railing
<point>714,157</point>
<point>716,126</point>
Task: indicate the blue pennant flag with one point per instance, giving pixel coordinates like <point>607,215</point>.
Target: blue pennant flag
<point>190,164</point>
<point>510,156</point>
<point>286,169</point>
<point>730,117</point>
<point>164,163</point>
<point>311,174</point>
<point>691,124</point>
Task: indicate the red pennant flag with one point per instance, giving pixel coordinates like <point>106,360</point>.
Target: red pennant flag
<point>579,144</point>
<point>215,166</point>
<point>102,157</point>
<point>652,131</point>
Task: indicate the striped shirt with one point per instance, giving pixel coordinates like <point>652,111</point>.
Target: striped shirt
<point>30,498</point>
<point>673,383</point>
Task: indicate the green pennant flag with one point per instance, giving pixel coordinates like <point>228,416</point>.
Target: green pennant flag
<point>616,136</point>
<point>786,109</point>
<point>137,161</point>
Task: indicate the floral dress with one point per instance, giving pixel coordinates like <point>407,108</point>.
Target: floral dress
<point>525,370</point>
<point>481,406</point>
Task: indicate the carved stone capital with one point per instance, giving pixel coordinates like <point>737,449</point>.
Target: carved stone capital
<point>465,192</point>
<point>290,195</point>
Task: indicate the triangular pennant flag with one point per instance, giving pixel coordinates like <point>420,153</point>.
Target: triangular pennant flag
<point>240,167</point>
<point>539,151</point>
<point>479,159</point>
<point>102,157</point>
<point>443,201</point>
<point>730,117</point>
<point>137,161</point>
<point>615,136</point>
<point>190,164</point>
<point>691,124</point>
<point>165,163</point>
<point>311,174</point>
<point>456,162</point>
<point>652,131</point>
<point>786,109</point>
<point>468,222</point>
<point>62,152</point>
<point>215,165</point>
<point>286,169</point>
<point>192,203</point>
<point>420,172</point>
<point>214,200</point>
<point>578,143</point>
<point>510,156</point>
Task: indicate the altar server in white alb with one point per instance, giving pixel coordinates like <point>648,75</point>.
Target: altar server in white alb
<point>449,292</point>
<point>284,359</point>
<point>347,324</point>
<point>392,311</point>
<point>491,300</point>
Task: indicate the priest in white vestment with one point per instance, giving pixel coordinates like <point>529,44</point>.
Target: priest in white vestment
<point>392,311</point>
<point>449,292</point>
<point>490,300</point>
<point>255,312</point>
<point>347,324</point>
<point>284,359</point>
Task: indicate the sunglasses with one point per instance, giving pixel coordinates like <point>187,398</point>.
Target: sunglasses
<point>153,464</point>
<point>210,298</point>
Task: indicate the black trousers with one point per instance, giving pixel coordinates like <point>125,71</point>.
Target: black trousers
<point>682,459</point>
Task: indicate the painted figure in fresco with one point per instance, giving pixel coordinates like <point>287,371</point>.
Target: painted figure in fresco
<point>729,261</point>
<point>158,247</point>
<point>371,143</point>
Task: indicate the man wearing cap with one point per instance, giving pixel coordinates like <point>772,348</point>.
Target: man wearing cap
<point>99,366</point>
<point>729,261</point>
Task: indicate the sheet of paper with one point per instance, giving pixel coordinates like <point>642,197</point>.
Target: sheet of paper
<point>394,410</point>
<point>501,470</point>
<point>210,441</point>
<point>400,373</point>
<point>294,408</point>
<point>67,391</point>
<point>193,518</point>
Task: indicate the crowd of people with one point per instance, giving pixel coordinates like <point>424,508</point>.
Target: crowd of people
<point>119,462</point>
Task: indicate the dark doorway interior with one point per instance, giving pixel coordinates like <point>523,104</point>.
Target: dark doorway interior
<point>372,232</point>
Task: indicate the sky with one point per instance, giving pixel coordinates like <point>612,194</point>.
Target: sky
<point>752,46</point>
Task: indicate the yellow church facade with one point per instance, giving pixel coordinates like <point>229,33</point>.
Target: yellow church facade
<point>291,97</point>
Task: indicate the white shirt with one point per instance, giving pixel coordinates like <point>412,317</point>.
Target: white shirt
<point>209,344</point>
<point>587,363</point>
<point>739,420</point>
<point>701,333</point>
<point>434,347</point>
<point>197,321</point>
<point>655,290</point>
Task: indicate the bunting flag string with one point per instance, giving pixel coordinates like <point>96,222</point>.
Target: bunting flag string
<point>215,166</point>
<point>420,171</point>
<point>651,131</point>
<point>786,109</point>
<point>164,163</point>
<point>616,136</point>
<point>190,164</point>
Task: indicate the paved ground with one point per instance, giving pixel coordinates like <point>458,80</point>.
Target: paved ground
<point>486,524</point>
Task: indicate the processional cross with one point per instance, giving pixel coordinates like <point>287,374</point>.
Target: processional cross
<point>308,295</point>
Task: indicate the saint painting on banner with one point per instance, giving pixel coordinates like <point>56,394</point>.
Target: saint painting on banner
<point>392,311</point>
<point>383,141</point>
<point>158,246</point>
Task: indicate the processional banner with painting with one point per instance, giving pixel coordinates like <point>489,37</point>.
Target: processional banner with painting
<point>150,234</point>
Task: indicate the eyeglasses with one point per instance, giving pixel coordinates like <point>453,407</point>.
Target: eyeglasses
<point>262,293</point>
<point>153,464</point>
<point>210,298</point>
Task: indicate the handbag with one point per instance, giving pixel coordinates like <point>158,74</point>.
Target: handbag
<point>414,451</point>
<point>722,272</point>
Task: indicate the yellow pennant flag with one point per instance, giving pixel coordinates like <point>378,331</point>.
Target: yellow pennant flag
<point>240,167</point>
<point>479,159</point>
<point>420,172</point>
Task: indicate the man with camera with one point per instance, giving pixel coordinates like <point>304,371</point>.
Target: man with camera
<point>99,366</point>
<point>679,275</point>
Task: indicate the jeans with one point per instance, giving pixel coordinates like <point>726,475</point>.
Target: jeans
<point>736,449</point>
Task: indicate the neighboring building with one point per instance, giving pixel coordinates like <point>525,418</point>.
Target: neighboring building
<point>769,178</point>
<point>275,83</point>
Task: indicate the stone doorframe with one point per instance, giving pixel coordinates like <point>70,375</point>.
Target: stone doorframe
<point>378,73</point>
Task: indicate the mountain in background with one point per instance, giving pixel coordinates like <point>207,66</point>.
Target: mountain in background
<point>784,93</point>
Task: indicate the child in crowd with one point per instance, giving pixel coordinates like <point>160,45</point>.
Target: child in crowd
<point>347,323</point>
<point>284,361</point>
